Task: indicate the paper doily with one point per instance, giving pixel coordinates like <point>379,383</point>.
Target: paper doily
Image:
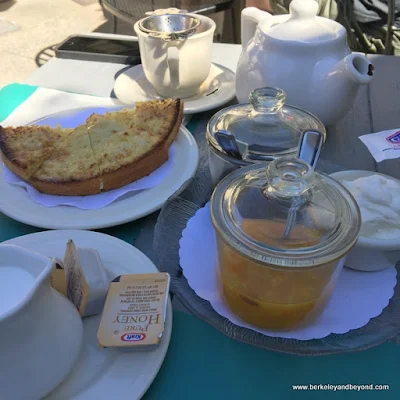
<point>95,201</point>
<point>358,296</point>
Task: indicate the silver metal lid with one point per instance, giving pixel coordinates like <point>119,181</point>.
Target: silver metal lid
<point>170,27</point>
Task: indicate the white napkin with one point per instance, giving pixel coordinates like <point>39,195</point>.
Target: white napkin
<point>95,201</point>
<point>44,102</point>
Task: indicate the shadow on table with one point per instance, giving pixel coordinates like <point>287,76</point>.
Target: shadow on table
<point>6,4</point>
<point>45,55</point>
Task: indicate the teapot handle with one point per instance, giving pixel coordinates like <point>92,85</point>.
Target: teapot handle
<point>251,16</point>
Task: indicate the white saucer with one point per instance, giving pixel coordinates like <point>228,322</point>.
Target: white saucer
<point>218,89</point>
<point>104,373</point>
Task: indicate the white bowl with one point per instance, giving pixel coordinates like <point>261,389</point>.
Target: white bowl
<point>370,254</point>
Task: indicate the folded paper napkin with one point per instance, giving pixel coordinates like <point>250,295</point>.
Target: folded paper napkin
<point>95,201</point>
<point>22,104</point>
<point>32,103</point>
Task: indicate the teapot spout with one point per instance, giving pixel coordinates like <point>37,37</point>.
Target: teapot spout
<point>358,68</point>
<point>251,17</point>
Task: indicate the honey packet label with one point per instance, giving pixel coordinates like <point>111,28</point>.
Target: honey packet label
<point>57,277</point>
<point>135,310</point>
<point>77,287</point>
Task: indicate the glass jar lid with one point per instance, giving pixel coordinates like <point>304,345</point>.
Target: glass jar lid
<point>285,214</point>
<point>303,25</point>
<point>264,129</point>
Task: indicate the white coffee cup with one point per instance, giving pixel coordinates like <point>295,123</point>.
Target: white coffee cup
<point>177,68</point>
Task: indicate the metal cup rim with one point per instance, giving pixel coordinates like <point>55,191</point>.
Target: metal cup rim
<point>182,32</point>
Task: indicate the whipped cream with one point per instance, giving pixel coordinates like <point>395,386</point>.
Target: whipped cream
<point>379,202</point>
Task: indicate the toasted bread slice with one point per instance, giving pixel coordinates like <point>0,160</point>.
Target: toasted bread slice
<point>106,152</point>
<point>130,144</point>
<point>25,148</point>
<point>71,170</point>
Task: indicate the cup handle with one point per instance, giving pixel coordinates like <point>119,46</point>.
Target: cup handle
<point>173,65</point>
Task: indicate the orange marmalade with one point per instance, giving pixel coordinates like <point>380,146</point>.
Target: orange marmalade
<point>271,296</point>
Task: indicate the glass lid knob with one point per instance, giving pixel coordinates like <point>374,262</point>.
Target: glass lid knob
<point>267,100</point>
<point>290,176</point>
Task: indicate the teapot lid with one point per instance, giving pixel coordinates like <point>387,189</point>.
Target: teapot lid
<point>303,25</point>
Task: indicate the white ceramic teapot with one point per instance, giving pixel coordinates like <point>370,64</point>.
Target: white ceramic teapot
<point>305,55</point>
<point>40,330</point>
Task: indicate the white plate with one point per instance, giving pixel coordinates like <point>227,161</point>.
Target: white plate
<point>16,203</point>
<point>104,373</point>
<point>218,89</point>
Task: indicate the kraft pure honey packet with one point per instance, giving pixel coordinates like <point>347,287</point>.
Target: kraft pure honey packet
<point>134,312</point>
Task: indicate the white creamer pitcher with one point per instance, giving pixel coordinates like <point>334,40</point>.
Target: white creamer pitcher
<point>40,330</point>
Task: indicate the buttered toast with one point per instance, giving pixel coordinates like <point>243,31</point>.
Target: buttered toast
<point>107,152</point>
<point>71,170</point>
<point>25,148</point>
<point>128,145</point>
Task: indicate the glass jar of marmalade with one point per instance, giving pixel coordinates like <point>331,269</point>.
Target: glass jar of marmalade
<point>282,233</point>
